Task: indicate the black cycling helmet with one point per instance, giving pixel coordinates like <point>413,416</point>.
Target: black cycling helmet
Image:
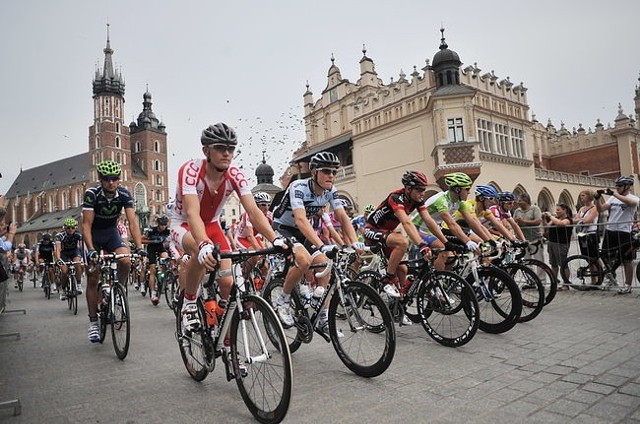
<point>414,179</point>
<point>219,133</point>
<point>46,237</point>
<point>623,181</point>
<point>506,196</point>
<point>324,160</point>
<point>162,220</point>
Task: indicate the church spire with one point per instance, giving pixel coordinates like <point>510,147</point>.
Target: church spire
<point>109,81</point>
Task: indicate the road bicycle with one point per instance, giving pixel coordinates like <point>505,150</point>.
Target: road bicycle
<point>248,336</point>
<point>166,280</point>
<point>20,277</point>
<point>443,302</point>
<point>498,295</point>
<point>360,326</point>
<point>70,287</point>
<point>113,306</point>
<point>46,282</point>
<point>530,285</point>
<point>592,273</point>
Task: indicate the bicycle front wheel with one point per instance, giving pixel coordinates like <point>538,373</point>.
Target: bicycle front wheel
<point>448,309</point>
<point>170,289</point>
<point>261,360</point>
<point>498,298</point>
<point>361,330</point>
<point>546,276</point>
<point>72,295</point>
<point>531,290</point>
<point>46,285</point>
<point>120,328</point>
<point>581,272</point>
<point>196,348</point>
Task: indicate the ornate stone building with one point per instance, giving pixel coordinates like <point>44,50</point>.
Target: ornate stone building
<point>445,118</point>
<point>42,197</point>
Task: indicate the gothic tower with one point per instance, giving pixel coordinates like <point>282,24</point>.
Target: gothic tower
<point>108,137</point>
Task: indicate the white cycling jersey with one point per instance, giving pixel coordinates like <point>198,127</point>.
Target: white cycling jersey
<point>300,195</point>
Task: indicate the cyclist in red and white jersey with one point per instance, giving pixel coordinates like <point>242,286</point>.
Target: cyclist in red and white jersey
<point>203,187</point>
<point>502,211</point>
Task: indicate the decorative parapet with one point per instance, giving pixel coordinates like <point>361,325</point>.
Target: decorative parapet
<point>565,177</point>
<point>345,172</point>
<point>455,153</point>
<point>509,160</point>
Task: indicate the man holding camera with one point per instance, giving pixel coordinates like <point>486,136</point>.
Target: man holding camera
<point>622,206</point>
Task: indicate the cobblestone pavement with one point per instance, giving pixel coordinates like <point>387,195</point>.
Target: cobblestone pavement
<point>579,361</point>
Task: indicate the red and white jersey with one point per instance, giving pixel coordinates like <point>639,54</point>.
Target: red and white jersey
<point>240,232</point>
<point>191,180</point>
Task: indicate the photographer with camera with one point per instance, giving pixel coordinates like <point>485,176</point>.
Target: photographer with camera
<point>7,233</point>
<point>559,231</point>
<point>622,207</point>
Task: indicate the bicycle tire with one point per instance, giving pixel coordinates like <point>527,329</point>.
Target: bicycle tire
<point>170,288</point>
<point>104,315</point>
<point>72,296</point>
<point>531,290</point>
<point>364,307</point>
<point>450,320</point>
<point>638,271</point>
<point>581,272</point>
<point>550,281</point>
<point>120,321</point>
<point>298,331</point>
<point>499,313</point>
<point>46,285</point>
<point>371,278</point>
<point>20,285</point>
<point>266,383</point>
<point>193,347</point>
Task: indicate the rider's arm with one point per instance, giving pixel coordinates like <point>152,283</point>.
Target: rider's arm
<point>191,205</point>
<point>410,228</point>
<point>87,221</point>
<point>456,229</point>
<point>516,228</point>
<point>475,224</point>
<point>433,226</point>
<point>347,229</point>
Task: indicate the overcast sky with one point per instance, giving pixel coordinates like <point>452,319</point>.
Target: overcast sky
<point>247,62</point>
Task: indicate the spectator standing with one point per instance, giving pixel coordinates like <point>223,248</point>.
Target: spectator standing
<point>622,207</point>
<point>529,218</point>
<point>7,233</point>
<point>586,220</point>
<point>560,229</point>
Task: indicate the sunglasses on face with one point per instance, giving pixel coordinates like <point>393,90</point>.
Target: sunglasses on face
<point>488,198</point>
<point>328,171</point>
<point>223,148</point>
<point>70,228</point>
<point>420,189</point>
<point>109,179</point>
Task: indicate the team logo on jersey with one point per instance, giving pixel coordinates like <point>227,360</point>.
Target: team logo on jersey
<point>109,210</point>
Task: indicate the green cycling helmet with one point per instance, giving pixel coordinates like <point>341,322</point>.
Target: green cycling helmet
<point>109,168</point>
<point>458,179</point>
<point>70,222</point>
<point>369,208</point>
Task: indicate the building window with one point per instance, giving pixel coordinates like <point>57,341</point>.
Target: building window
<point>63,201</point>
<point>485,136</point>
<point>137,149</point>
<point>118,158</point>
<point>456,130</point>
<point>517,143</point>
<point>97,143</point>
<point>156,165</point>
<point>118,142</point>
<point>502,139</point>
<point>118,127</point>
<point>140,195</point>
<point>333,95</point>
<point>156,146</point>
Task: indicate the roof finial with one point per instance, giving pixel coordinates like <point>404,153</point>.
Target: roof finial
<point>333,59</point>
<point>443,44</point>
<point>264,160</point>
<point>307,85</point>
<point>364,50</point>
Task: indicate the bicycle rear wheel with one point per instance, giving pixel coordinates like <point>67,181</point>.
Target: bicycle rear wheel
<point>531,290</point>
<point>120,328</point>
<point>362,330</point>
<point>263,373</point>
<point>302,329</point>
<point>500,305</point>
<point>581,272</point>
<point>450,318</point>
<point>547,277</point>
<point>196,348</point>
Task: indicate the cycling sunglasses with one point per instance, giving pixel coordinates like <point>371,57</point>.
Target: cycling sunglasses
<point>328,171</point>
<point>223,148</point>
<point>109,179</point>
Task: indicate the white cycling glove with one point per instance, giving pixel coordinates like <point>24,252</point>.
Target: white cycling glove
<point>205,249</point>
<point>327,248</point>
<point>472,245</point>
<point>358,245</point>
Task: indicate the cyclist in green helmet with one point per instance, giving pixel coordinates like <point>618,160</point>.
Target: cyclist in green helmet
<point>68,248</point>
<point>102,207</point>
